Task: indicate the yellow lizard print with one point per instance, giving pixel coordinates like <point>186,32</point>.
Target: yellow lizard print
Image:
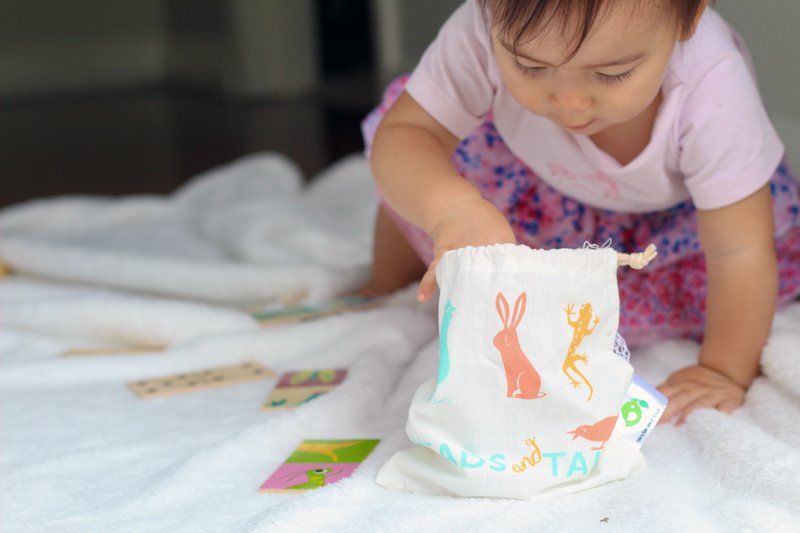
<point>581,330</point>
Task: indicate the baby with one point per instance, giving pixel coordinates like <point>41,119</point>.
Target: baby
<point>553,122</point>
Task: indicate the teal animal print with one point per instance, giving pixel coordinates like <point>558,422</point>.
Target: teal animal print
<point>444,353</point>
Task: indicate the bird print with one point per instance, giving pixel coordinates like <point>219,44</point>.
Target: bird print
<point>597,432</point>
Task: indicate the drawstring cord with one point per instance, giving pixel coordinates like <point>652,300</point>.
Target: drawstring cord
<point>591,246</point>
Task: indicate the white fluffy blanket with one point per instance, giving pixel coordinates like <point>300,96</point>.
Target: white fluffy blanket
<point>79,452</point>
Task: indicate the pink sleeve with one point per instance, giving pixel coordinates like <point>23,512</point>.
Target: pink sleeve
<point>451,81</point>
<point>729,148</point>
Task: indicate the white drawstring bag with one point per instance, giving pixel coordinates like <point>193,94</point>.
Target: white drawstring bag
<point>529,387</point>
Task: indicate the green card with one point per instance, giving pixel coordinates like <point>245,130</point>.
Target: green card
<point>333,451</point>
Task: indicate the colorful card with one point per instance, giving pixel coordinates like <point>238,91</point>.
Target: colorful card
<point>326,377</point>
<point>301,313</point>
<point>643,407</point>
<point>317,463</point>
<point>200,380</point>
<point>299,387</point>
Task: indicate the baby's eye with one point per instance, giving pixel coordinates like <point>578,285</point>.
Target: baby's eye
<point>530,71</point>
<point>615,78</point>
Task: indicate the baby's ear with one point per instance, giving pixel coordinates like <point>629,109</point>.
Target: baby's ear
<point>687,33</point>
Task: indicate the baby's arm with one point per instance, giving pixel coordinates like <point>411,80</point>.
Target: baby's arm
<point>412,166</point>
<point>741,266</point>
<point>411,163</point>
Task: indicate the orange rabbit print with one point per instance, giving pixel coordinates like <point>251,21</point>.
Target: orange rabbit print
<point>522,379</point>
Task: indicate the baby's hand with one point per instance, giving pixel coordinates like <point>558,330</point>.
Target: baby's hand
<point>471,221</point>
<point>698,387</point>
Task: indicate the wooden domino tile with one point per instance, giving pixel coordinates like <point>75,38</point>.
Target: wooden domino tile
<point>200,380</point>
<point>83,352</point>
<point>305,313</point>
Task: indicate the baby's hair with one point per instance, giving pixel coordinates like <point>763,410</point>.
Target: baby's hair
<point>516,20</point>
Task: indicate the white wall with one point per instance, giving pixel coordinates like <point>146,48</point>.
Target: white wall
<point>770,29</point>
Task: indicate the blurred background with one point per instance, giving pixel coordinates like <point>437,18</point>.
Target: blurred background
<point>136,96</point>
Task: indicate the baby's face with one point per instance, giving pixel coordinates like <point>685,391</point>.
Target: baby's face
<point>615,75</point>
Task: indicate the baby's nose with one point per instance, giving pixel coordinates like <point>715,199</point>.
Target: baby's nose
<point>571,100</point>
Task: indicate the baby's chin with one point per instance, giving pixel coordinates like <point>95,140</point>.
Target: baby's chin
<point>596,126</point>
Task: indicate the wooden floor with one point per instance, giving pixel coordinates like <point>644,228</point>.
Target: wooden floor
<point>152,140</point>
